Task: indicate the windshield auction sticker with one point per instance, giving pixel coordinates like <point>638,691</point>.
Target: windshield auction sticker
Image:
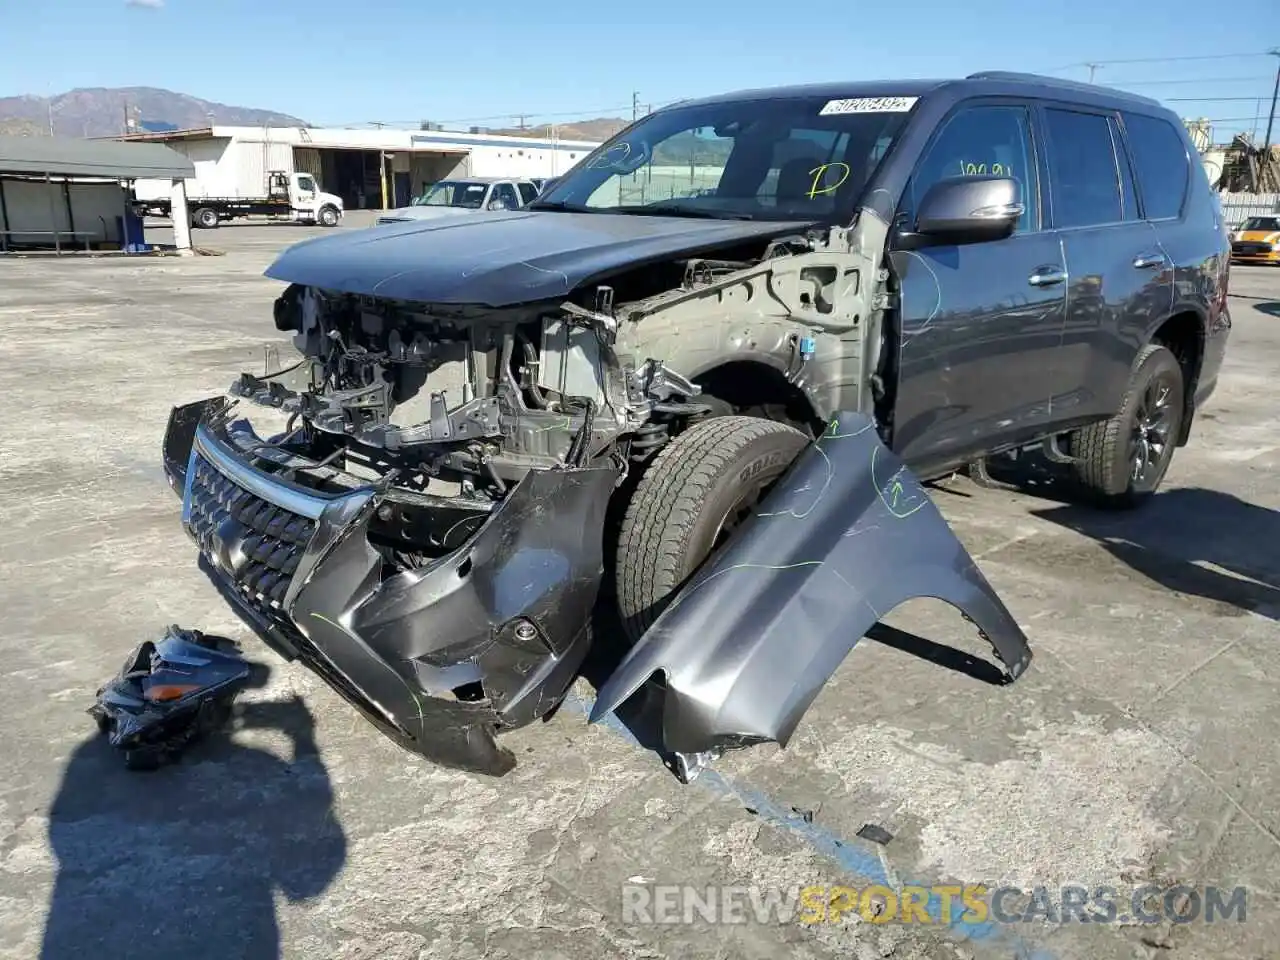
<point>868,105</point>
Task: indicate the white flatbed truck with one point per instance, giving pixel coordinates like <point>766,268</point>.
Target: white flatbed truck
<point>295,197</point>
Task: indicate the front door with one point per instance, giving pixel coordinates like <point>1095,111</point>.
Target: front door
<point>981,323</point>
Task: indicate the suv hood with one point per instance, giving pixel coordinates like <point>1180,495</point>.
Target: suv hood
<point>503,258</point>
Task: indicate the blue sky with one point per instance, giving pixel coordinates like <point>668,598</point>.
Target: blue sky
<point>407,60</point>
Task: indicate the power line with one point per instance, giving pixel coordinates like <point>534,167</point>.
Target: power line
<point>1184,80</point>
<point>585,112</point>
<point>1207,56</point>
<point>1213,99</point>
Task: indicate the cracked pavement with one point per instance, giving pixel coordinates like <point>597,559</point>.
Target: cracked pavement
<point>1137,747</point>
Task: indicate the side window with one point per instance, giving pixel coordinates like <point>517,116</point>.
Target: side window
<point>1128,195</point>
<point>506,194</point>
<point>993,140</point>
<point>528,192</point>
<point>306,183</point>
<point>1160,155</point>
<point>1083,173</point>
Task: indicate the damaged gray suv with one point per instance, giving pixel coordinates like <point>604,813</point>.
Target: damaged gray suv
<point>703,376</point>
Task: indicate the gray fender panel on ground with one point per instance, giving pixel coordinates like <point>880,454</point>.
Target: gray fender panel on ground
<point>847,535</point>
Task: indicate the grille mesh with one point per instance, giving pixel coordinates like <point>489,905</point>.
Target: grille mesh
<point>258,543</point>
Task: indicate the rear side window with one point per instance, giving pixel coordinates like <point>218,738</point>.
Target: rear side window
<point>1083,175</point>
<point>1160,155</point>
<point>528,192</point>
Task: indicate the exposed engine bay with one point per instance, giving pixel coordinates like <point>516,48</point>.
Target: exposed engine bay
<point>469,396</point>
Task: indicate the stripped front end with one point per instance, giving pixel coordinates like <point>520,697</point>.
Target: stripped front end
<point>424,529</point>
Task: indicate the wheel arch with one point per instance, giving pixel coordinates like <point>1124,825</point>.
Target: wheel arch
<point>1184,333</point>
<point>756,384</point>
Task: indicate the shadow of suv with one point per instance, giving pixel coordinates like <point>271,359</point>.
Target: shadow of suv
<point>704,373</point>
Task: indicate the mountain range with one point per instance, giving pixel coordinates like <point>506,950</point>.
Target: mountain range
<point>102,111</point>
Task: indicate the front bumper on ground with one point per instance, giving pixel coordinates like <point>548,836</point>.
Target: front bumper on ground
<point>440,658</point>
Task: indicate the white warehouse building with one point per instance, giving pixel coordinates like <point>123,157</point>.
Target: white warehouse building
<point>369,169</point>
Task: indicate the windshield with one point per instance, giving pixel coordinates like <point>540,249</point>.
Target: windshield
<point>1262,223</point>
<point>452,193</point>
<point>804,158</point>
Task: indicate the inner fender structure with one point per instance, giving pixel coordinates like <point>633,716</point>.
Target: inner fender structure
<point>847,535</point>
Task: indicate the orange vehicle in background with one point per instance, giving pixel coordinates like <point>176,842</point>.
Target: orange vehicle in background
<point>1257,241</point>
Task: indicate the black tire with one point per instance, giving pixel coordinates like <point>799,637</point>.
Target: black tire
<point>327,217</point>
<point>205,218</point>
<point>1107,452</point>
<point>698,487</point>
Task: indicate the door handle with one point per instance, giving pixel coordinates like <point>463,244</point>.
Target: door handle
<point>1047,276</point>
<point>1145,260</point>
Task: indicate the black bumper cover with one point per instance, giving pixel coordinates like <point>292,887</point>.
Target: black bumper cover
<point>439,658</point>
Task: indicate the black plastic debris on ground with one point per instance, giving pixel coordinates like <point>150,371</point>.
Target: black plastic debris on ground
<point>875,833</point>
<point>168,694</point>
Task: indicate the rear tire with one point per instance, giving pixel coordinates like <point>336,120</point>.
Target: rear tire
<point>206,218</point>
<point>694,493</point>
<point>1122,461</point>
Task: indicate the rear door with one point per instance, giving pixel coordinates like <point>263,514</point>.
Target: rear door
<point>981,322</point>
<point>1121,281</point>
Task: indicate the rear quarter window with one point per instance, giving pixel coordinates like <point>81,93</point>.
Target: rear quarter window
<point>1160,156</point>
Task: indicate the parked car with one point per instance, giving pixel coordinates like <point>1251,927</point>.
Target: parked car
<point>448,198</point>
<point>724,404</point>
<point>1257,240</point>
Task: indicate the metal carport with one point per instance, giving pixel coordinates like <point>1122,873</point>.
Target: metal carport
<point>52,166</point>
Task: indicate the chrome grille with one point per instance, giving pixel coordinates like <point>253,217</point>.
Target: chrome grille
<point>254,542</point>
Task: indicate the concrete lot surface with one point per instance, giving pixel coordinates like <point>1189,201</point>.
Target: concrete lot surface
<point>1138,749</point>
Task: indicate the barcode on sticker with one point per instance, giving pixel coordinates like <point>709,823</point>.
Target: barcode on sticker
<point>868,105</point>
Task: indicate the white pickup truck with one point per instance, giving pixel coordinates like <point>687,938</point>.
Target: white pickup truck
<point>289,196</point>
<point>462,195</point>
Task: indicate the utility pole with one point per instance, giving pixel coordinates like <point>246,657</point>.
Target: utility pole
<point>1093,67</point>
<point>1266,144</point>
<point>635,105</point>
<point>520,120</point>
<point>51,118</point>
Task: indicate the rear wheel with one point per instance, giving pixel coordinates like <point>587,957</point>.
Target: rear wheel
<point>698,489</point>
<point>206,218</point>
<point>1122,461</point>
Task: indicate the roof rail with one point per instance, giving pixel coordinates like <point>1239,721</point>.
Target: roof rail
<point>1061,84</point>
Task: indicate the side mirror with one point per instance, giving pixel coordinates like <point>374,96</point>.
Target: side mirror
<point>962,210</point>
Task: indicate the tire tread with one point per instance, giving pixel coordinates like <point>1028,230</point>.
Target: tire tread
<point>664,510</point>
